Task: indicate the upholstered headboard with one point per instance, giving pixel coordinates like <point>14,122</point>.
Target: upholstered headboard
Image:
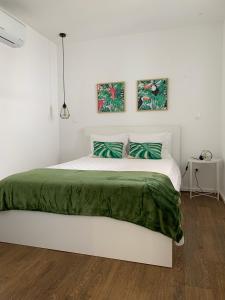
<point>110,130</point>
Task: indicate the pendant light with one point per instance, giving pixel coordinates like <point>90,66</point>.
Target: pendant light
<point>64,113</point>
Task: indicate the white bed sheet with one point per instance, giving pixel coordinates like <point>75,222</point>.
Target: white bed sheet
<point>166,166</point>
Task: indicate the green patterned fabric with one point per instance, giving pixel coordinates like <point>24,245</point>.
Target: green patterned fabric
<point>108,149</point>
<point>145,150</point>
<point>144,198</point>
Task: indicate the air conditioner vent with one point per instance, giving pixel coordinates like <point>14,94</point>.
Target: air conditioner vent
<point>12,31</point>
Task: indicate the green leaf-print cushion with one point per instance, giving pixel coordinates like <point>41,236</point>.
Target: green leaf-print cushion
<point>108,149</point>
<point>145,150</point>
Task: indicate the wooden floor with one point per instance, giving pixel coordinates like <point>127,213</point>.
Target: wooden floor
<point>199,267</point>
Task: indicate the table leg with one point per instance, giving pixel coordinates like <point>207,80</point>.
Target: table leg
<point>190,183</point>
<point>218,180</point>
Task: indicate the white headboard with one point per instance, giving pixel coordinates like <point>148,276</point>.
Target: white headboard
<point>110,130</point>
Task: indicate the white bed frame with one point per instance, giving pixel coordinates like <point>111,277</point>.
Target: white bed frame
<point>98,236</point>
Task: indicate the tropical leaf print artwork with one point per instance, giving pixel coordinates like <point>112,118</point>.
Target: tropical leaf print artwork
<point>108,149</point>
<point>110,97</point>
<point>145,150</point>
<point>152,94</point>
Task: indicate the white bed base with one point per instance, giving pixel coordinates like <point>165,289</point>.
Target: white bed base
<point>98,236</point>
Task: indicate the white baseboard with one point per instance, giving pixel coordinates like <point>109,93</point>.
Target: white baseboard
<point>222,196</point>
<point>205,190</point>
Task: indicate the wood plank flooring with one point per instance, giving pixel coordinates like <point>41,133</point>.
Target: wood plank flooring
<point>29,273</point>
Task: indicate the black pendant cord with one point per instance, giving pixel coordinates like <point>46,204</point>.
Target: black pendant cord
<point>64,89</point>
<point>64,113</point>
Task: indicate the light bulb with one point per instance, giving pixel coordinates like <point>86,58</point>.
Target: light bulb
<point>64,113</point>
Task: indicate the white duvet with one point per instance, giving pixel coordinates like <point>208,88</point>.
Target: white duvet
<point>166,166</point>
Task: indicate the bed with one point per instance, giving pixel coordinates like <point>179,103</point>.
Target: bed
<point>95,235</point>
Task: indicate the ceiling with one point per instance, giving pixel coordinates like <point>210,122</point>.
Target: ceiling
<point>92,19</point>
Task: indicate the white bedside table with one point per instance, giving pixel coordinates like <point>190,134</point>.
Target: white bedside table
<point>215,161</point>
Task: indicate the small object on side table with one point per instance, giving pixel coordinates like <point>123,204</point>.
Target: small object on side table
<point>215,161</point>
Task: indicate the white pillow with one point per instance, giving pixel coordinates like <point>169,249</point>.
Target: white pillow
<point>121,138</point>
<point>165,138</point>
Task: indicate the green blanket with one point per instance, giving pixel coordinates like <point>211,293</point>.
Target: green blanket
<point>144,198</point>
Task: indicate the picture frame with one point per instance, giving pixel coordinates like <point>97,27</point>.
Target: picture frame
<point>152,94</point>
<point>110,97</point>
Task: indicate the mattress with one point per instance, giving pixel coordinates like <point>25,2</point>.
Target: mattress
<point>166,166</point>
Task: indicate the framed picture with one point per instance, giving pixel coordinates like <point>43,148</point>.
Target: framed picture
<point>152,94</point>
<point>111,96</point>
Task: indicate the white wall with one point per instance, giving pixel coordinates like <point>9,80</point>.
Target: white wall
<point>29,128</point>
<point>189,57</point>
<point>223,115</point>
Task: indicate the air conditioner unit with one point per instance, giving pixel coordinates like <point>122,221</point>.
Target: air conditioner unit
<point>12,32</point>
